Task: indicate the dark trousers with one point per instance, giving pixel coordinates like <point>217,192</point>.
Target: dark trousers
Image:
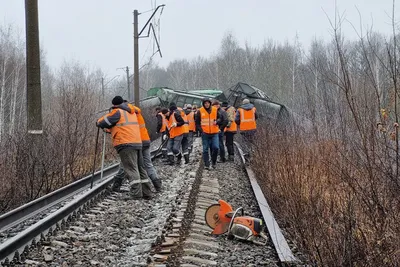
<point>221,145</point>
<point>149,167</point>
<point>131,167</point>
<point>229,142</point>
<point>185,144</point>
<point>190,140</point>
<point>210,141</point>
<point>174,145</point>
<point>164,147</point>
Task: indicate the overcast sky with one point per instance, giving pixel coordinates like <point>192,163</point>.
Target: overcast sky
<point>100,32</point>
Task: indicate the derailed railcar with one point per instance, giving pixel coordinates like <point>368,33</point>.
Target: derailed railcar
<point>276,114</point>
<point>266,108</point>
<point>167,95</point>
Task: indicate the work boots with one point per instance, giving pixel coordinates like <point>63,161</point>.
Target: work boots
<point>231,158</point>
<point>186,159</point>
<point>221,160</point>
<point>116,187</point>
<point>157,185</point>
<point>214,165</point>
<point>171,160</point>
<point>179,159</point>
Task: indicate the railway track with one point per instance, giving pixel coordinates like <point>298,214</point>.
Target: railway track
<point>22,228</point>
<point>116,231</point>
<point>168,230</point>
<point>187,241</point>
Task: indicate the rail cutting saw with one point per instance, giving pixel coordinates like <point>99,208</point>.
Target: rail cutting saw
<point>222,218</point>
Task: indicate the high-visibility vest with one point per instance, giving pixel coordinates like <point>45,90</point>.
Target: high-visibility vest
<point>164,123</point>
<point>247,119</point>
<point>185,119</point>
<point>126,131</point>
<point>175,131</point>
<point>192,124</point>
<point>144,134</point>
<point>208,120</point>
<point>233,127</point>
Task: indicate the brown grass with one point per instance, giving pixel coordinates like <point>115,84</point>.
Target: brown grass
<point>338,211</point>
<point>31,169</point>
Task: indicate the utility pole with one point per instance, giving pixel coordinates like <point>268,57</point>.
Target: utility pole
<point>136,36</point>
<point>136,57</point>
<point>102,87</point>
<point>127,84</point>
<point>33,87</point>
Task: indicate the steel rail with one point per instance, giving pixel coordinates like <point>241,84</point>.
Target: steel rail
<point>23,239</point>
<point>281,246</point>
<point>28,210</point>
<point>36,206</point>
<point>16,245</point>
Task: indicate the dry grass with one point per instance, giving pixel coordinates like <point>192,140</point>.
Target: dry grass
<point>32,169</point>
<point>338,211</point>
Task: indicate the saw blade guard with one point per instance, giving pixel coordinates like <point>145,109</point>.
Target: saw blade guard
<point>218,217</point>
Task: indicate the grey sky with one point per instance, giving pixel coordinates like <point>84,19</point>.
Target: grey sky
<point>99,32</point>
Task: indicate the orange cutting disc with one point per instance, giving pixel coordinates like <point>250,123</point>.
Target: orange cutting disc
<point>211,215</point>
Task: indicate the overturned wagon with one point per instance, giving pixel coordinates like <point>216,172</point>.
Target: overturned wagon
<point>275,113</point>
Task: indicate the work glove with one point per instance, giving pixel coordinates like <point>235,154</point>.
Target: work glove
<point>173,125</point>
<point>229,124</point>
<point>164,137</point>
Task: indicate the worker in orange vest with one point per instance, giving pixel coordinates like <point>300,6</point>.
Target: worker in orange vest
<point>230,129</point>
<point>246,116</point>
<point>185,139</point>
<point>207,118</point>
<point>192,126</point>
<point>147,163</point>
<point>162,128</point>
<point>222,124</point>
<point>196,132</point>
<point>125,132</point>
<point>176,131</point>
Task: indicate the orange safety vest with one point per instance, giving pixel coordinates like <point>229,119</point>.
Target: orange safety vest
<point>185,119</point>
<point>208,120</point>
<point>126,131</point>
<point>233,127</point>
<point>164,123</point>
<point>247,119</point>
<point>175,131</point>
<point>192,124</point>
<point>144,134</point>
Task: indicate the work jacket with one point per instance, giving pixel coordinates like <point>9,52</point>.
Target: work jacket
<point>124,127</point>
<point>232,126</point>
<point>246,116</point>
<point>192,124</point>
<point>207,120</point>
<point>222,121</point>
<point>162,123</point>
<point>175,117</point>
<point>144,134</point>
<point>185,119</point>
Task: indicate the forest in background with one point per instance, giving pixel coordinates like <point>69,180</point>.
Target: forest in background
<point>335,188</point>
